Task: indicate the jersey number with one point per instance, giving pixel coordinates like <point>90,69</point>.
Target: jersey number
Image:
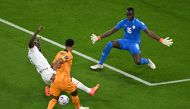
<point>129,30</point>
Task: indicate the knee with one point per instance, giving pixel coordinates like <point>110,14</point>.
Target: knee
<point>109,44</point>
<point>137,62</point>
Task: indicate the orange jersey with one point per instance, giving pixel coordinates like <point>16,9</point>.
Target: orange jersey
<point>64,70</point>
<point>62,80</point>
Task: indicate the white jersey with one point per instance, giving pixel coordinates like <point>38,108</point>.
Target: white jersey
<point>41,64</point>
<point>37,59</point>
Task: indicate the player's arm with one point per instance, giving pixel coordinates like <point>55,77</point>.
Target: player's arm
<point>167,41</point>
<point>52,103</point>
<point>31,42</point>
<point>95,38</point>
<point>57,63</point>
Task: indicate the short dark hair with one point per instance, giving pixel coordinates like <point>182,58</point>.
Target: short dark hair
<point>69,42</point>
<point>130,9</point>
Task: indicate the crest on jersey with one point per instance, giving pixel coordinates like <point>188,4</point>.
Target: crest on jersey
<point>66,57</point>
<point>133,27</point>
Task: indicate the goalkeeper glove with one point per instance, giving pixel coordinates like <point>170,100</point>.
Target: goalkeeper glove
<point>95,38</point>
<point>167,41</point>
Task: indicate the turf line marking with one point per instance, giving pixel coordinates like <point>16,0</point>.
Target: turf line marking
<point>170,82</point>
<point>77,53</point>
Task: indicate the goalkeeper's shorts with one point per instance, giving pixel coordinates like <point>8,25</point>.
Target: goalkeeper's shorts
<point>133,48</point>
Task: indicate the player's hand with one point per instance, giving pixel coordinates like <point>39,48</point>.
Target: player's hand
<point>167,41</point>
<point>95,38</point>
<point>40,28</point>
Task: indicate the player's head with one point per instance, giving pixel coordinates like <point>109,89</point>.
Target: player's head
<point>69,43</point>
<point>130,13</point>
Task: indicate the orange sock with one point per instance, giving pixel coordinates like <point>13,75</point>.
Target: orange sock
<point>52,103</point>
<point>76,101</point>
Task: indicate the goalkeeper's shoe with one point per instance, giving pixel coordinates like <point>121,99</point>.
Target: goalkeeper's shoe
<point>84,107</point>
<point>94,89</point>
<point>151,64</point>
<point>47,91</point>
<point>97,66</point>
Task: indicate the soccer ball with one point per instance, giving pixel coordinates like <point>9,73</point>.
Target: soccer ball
<point>63,100</point>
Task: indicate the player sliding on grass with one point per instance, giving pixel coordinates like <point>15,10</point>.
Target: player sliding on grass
<point>130,41</point>
<point>43,68</point>
<point>62,80</point>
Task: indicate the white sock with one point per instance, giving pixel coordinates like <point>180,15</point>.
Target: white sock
<point>81,86</point>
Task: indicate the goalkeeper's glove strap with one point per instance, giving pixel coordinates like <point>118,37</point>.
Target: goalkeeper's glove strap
<point>161,40</point>
<point>99,38</point>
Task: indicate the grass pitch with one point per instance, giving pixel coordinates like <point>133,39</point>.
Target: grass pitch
<point>22,88</point>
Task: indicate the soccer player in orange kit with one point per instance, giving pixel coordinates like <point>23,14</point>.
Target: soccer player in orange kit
<point>62,79</point>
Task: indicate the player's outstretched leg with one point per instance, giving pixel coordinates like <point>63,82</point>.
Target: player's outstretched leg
<point>90,91</point>
<point>94,89</point>
<point>140,61</point>
<point>105,53</point>
<point>151,64</point>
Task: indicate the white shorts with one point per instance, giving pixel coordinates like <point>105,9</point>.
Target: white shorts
<point>46,75</point>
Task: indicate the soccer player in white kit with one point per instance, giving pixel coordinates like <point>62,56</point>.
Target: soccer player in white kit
<point>43,67</point>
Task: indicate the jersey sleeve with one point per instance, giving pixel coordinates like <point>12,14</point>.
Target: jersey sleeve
<point>119,25</point>
<point>142,26</point>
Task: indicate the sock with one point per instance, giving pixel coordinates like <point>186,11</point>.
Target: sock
<point>105,52</point>
<point>144,61</point>
<point>52,103</point>
<point>76,102</point>
<point>81,86</point>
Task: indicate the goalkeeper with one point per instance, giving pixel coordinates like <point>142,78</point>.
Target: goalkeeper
<point>130,41</point>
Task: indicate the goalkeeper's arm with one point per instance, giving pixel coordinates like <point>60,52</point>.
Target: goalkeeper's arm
<point>108,33</point>
<point>168,42</point>
<point>95,38</point>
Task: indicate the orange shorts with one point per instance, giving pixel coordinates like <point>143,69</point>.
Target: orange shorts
<point>57,87</point>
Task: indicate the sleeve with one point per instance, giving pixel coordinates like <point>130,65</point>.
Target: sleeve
<point>119,25</point>
<point>142,26</point>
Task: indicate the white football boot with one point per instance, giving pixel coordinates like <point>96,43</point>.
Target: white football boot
<point>97,66</point>
<point>151,64</point>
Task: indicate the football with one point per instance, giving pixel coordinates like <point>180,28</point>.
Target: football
<point>63,100</point>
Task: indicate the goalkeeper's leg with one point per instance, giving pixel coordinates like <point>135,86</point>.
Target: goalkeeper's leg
<point>140,61</point>
<point>105,53</point>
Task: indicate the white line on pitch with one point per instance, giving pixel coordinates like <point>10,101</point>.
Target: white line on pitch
<point>78,53</point>
<point>170,82</point>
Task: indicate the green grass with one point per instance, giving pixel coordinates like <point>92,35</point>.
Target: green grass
<point>22,88</point>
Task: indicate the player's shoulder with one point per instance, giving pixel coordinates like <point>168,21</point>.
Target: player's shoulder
<point>124,20</point>
<point>64,52</point>
<point>139,21</point>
